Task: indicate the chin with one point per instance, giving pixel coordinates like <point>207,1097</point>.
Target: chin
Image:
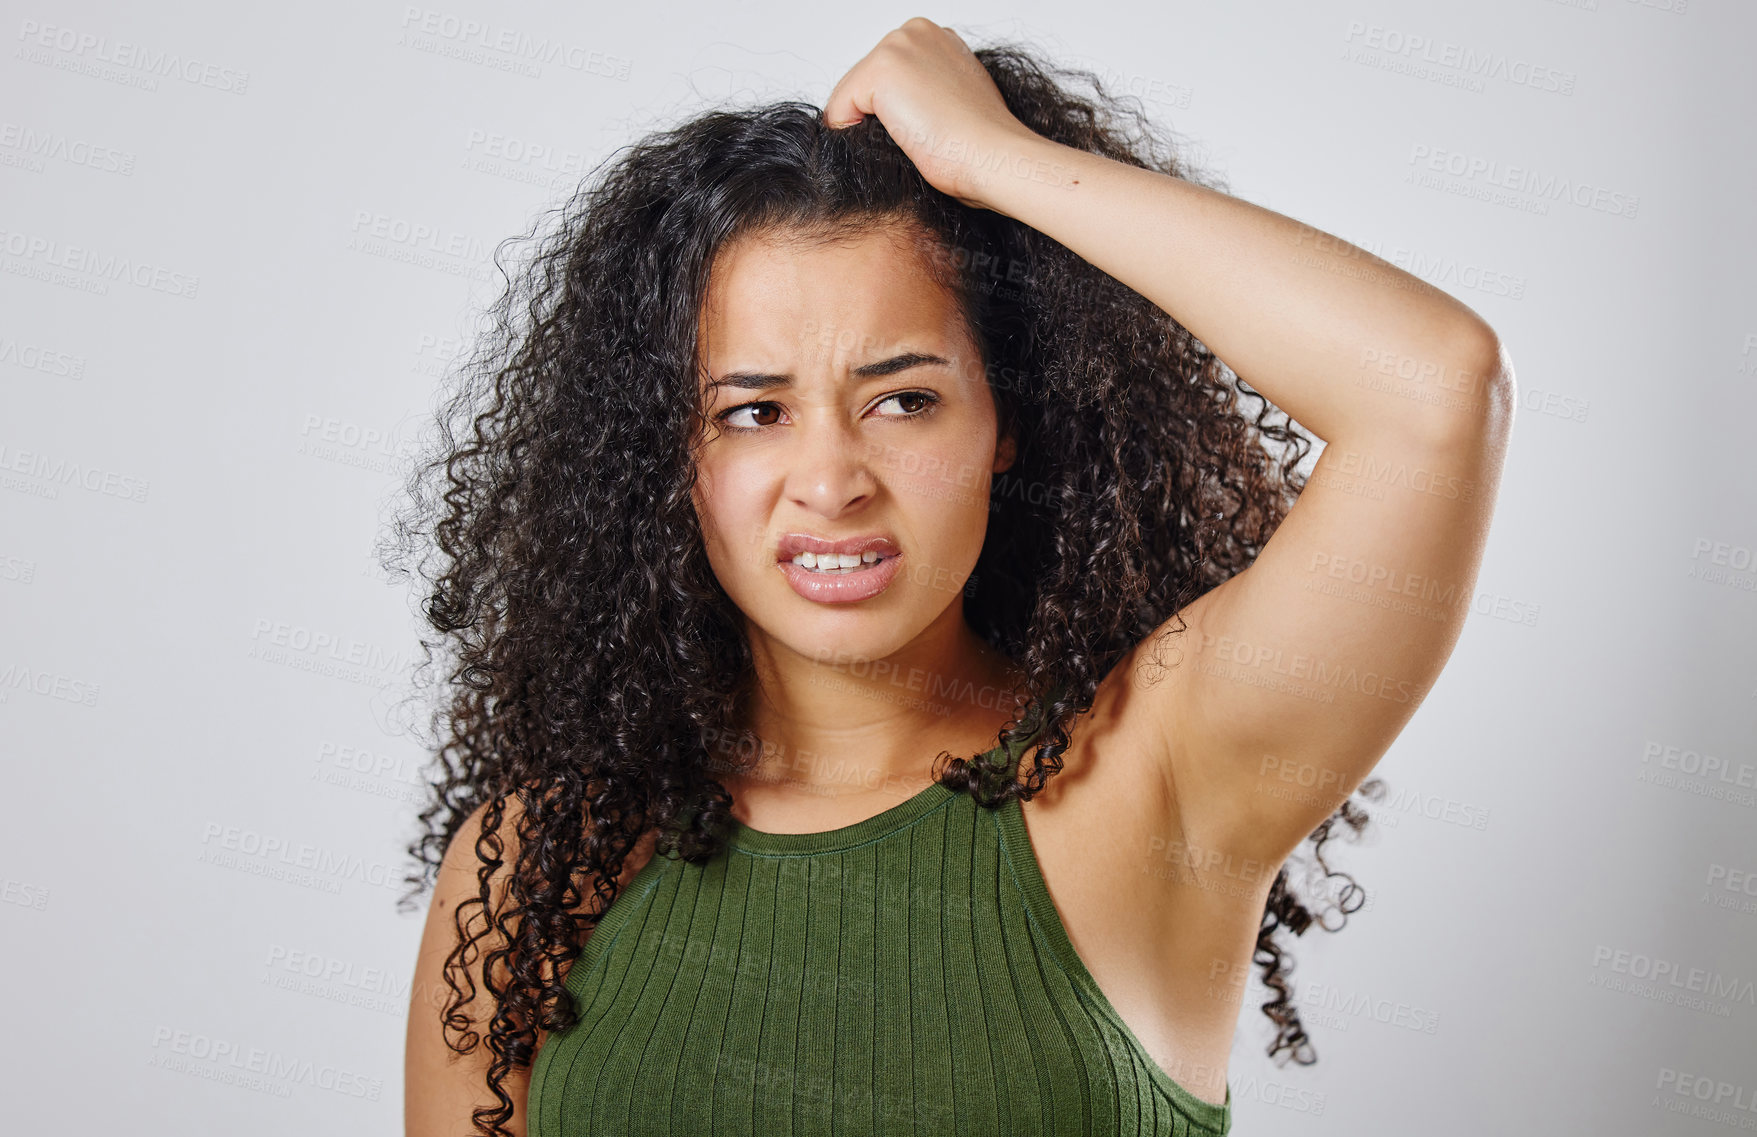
<point>844,646</point>
<point>846,636</point>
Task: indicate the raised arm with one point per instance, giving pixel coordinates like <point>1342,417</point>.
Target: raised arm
<point>1293,678</point>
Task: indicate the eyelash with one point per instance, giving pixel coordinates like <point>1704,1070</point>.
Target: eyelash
<point>933,401</point>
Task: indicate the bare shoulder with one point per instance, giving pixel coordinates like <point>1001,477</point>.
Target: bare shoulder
<point>441,1086</point>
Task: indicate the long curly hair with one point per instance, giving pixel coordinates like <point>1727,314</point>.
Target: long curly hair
<point>591,663</point>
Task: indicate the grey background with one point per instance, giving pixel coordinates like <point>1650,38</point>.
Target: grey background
<point>203,410</point>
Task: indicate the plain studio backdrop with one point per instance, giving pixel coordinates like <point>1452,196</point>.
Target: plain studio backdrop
<point>239,249</point>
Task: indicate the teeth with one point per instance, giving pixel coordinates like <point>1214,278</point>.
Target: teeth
<point>836,562</point>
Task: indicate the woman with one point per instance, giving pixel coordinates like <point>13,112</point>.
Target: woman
<point>809,448</point>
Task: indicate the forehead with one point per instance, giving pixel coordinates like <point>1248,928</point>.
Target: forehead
<point>772,294</point>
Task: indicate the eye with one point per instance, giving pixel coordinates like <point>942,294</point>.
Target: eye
<point>924,400</point>
<point>725,416</point>
<point>913,404</point>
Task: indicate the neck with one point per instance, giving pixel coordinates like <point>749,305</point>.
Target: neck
<point>839,725</point>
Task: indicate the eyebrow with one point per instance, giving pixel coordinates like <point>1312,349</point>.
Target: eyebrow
<point>762,381</point>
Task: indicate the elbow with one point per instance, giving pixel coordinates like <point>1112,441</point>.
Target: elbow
<point>1487,392</point>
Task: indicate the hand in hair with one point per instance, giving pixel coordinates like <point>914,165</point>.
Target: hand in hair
<point>938,104</point>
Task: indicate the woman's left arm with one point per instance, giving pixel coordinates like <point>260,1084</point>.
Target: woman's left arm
<point>1299,672</point>
<point>1352,347</point>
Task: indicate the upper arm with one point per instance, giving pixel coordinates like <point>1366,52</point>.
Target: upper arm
<point>440,1086</point>
<point>1293,678</point>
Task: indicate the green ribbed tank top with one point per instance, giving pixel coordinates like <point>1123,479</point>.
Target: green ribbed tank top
<point>907,974</point>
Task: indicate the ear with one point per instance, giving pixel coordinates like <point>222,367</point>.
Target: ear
<point>1006,452</point>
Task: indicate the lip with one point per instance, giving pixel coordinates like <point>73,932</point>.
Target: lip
<point>838,588</point>
<point>792,544</point>
<point>841,588</point>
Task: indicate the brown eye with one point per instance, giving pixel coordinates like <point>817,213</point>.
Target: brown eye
<point>920,402</point>
<point>754,408</point>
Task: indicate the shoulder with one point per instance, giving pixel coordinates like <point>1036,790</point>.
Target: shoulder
<point>460,874</point>
<point>443,1085</point>
<point>465,855</point>
<point>456,914</point>
<point>459,868</point>
<point>459,879</point>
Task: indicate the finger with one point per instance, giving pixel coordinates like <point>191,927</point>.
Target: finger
<point>850,101</point>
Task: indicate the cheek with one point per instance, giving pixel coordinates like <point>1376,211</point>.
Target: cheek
<point>944,492</point>
<point>945,480</point>
<point>730,518</point>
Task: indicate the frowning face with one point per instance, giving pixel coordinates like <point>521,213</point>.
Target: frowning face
<point>843,485</point>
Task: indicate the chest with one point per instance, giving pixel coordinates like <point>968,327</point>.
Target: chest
<point>919,981</point>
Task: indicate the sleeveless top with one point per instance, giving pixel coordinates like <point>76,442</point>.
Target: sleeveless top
<point>906,974</point>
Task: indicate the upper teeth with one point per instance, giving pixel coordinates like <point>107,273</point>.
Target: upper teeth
<point>834,560</point>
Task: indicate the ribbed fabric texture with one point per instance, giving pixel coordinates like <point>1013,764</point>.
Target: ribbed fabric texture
<point>907,974</point>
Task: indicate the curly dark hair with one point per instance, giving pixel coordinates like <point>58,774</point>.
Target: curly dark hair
<point>591,659</point>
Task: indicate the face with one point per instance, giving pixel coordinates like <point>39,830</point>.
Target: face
<point>848,406</point>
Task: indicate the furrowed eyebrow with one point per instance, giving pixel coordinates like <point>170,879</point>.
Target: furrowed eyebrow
<point>763,381</point>
<point>898,363</point>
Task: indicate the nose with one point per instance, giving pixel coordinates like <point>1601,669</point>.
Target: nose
<point>829,472</point>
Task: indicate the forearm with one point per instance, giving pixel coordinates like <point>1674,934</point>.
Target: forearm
<point>1351,346</point>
